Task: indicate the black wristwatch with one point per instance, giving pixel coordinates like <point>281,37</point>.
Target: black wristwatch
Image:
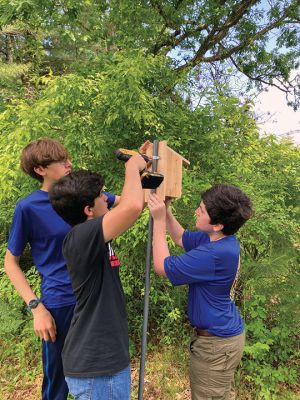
<point>33,304</point>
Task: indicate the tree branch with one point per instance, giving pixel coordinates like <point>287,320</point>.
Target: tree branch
<point>218,33</point>
<point>285,89</point>
<point>157,6</point>
<point>215,35</point>
<point>211,40</point>
<point>169,42</point>
<point>172,41</point>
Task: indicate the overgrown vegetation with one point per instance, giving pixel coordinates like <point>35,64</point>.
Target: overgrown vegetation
<point>90,77</point>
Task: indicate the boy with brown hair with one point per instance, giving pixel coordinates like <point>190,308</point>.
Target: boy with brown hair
<point>35,222</point>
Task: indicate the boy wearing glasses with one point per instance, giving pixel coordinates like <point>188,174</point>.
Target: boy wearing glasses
<point>37,224</point>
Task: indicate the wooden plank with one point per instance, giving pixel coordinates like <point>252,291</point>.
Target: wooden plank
<point>173,171</point>
<point>184,160</point>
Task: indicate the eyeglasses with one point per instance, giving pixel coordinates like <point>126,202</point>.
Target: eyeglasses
<point>61,162</point>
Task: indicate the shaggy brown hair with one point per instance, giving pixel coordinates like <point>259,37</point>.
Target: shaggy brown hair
<point>41,153</point>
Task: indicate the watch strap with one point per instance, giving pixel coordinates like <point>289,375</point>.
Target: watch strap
<point>33,304</point>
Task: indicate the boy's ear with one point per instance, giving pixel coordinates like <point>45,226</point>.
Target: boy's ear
<point>40,170</point>
<point>218,227</point>
<point>88,211</point>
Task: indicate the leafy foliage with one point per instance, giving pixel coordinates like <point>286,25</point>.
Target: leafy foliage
<point>196,37</point>
<point>102,75</point>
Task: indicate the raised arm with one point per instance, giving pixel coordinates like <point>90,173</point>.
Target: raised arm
<point>123,216</point>
<point>159,242</point>
<point>142,150</point>
<point>174,228</point>
<point>43,322</point>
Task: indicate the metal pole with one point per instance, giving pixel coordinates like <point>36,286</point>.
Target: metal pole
<point>147,287</point>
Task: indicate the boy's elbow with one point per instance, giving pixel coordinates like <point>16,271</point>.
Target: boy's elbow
<point>10,262</point>
<point>6,263</point>
<point>178,242</point>
<point>7,266</point>
<point>136,209</point>
<point>159,269</point>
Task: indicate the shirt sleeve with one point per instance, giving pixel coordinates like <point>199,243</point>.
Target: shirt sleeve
<point>19,232</point>
<point>196,265</point>
<point>111,198</point>
<point>191,240</point>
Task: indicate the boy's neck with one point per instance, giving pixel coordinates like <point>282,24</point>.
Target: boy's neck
<point>46,185</point>
<point>214,236</point>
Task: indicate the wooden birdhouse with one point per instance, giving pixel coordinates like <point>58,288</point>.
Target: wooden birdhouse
<point>170,166</point>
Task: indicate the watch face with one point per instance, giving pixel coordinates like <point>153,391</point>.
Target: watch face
<point>33,303</point>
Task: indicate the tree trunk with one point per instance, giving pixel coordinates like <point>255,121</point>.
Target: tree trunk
<point>9,49</point>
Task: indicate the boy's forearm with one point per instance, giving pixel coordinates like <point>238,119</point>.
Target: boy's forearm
<point>17,277</point>
<point>123,216</point>
<point>44,324</point>
<point>160,246</point>
<point>174,228</point>
<point>132,194</point>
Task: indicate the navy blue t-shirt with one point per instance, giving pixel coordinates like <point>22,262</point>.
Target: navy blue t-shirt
<point>35,222</point>
<point>210,270</point>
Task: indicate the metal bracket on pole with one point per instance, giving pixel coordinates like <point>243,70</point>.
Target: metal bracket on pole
<point>147,285</point>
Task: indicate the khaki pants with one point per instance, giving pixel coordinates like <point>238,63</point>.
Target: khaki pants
<point>213,361</point>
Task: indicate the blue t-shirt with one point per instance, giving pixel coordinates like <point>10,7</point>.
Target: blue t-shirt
<point>35,222</point>
<point>210,270</point>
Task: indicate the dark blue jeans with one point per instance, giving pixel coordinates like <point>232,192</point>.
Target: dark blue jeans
<point>54,384</point>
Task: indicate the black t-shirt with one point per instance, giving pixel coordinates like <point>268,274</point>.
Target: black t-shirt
<point>97,343</point>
